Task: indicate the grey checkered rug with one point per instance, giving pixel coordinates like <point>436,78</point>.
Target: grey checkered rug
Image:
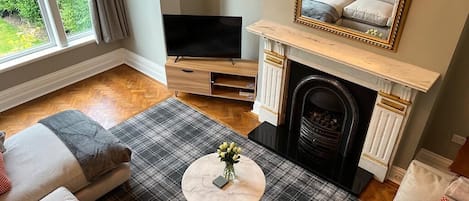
<point>166,138</point>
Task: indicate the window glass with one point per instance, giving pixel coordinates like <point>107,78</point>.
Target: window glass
<point>21,26</point>
<point>75,16</point>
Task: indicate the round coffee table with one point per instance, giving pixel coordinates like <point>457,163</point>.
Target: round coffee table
<point>197,180</point>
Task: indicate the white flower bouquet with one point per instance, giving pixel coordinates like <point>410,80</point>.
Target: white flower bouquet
<point>374,32</point>
<point>229,153</point>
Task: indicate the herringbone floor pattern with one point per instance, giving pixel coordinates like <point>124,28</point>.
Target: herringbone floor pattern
<point>234,114</point>
<point>118,94</point>
<point>109,98</point>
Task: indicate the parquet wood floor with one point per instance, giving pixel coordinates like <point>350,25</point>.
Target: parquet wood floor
<point>118,94</point>
<point>109,98</point>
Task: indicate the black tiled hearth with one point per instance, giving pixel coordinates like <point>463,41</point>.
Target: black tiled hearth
<point>326,119</point>
<point>275,138</point>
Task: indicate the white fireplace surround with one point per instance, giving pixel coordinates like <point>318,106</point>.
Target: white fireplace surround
<point>394,81</point>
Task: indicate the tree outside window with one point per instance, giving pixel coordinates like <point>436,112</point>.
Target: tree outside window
<point>23,28</point>
<point>75,16</point>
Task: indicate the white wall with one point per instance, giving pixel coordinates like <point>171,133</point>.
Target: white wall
<point>200,7</point>
<point>170,6</point>
<point>146,25</point>
<point>250,11</point>
<point>452,111</point>
<point>54,63</point>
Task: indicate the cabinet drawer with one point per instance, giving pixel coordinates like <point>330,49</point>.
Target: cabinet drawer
<point>188,80</point>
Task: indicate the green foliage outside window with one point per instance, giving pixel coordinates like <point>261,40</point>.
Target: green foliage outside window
<point>7,5</point>
<point>26,9</point>
<point>75,13</point>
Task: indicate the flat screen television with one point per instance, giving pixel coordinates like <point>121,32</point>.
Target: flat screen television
<point>203,36</point>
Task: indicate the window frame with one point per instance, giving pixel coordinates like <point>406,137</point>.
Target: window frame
<point>56,33</point>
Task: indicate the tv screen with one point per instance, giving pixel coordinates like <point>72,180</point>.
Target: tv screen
<point>203,36</point>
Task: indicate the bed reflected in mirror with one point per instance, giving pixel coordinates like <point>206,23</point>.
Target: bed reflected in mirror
<point>376,22</point>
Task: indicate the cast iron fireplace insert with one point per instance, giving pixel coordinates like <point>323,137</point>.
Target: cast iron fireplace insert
<point>325,126</point>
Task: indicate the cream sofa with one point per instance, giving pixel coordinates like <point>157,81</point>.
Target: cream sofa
<point>423,182</point>
<point>37,162</point>
<point>428,178</point>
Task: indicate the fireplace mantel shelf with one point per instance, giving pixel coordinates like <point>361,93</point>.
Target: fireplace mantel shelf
<point>396,71</point>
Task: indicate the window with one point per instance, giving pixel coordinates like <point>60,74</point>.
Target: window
<point>28,26</point>
<point>21,26</point>
<point>75,16</point>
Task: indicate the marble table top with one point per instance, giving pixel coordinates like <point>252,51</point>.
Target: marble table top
<point>197,180</point>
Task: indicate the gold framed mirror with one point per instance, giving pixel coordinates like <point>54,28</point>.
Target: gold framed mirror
<point>376,22</point>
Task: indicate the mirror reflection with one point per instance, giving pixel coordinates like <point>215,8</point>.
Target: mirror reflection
<point>372,19</point>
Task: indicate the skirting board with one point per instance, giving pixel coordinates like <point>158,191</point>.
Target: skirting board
<point>425,156</point>
<point>396,174</point>
<point>377,169</point>
<point>256,107</point>
<point>145,66</point>
<point>40,86</point>
<point>267,115</point>
<point>433,159</point>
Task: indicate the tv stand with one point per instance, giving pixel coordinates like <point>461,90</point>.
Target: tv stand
<point>218,78</point>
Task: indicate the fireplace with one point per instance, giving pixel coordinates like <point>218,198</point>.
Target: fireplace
<point>325,126</point>
<point>394,83</point>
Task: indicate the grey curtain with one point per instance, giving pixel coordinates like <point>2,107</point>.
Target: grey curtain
<point>109,20</point>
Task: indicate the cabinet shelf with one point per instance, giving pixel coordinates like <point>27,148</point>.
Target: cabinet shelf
<point>218,78</point>
<point>232,93</point>
<point>241,82</point>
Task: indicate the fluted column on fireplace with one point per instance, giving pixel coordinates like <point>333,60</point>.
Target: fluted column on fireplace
<point>273,81</point>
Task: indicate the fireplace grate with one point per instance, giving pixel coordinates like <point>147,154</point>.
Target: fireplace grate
<point>318,142</point>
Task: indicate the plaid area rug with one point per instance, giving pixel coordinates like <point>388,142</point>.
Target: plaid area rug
<point>167,138</point>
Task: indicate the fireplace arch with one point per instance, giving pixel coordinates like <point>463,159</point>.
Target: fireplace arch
<point>323,121</point>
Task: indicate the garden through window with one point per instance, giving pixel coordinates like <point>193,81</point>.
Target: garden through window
<point>75,16</point>
<point>28,26</point>
<point>21,26</point>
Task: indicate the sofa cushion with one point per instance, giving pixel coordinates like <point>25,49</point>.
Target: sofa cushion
<point>423,183</point>
<point>458,189</point>
<point>372,12</point>
<point>37,162</point>
<point>337,4</point>
<point>96,149</point>
<point>5,184</point>
<point>393,14</point>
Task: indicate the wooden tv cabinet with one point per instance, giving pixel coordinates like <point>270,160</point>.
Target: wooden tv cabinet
<point>218,78</point>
